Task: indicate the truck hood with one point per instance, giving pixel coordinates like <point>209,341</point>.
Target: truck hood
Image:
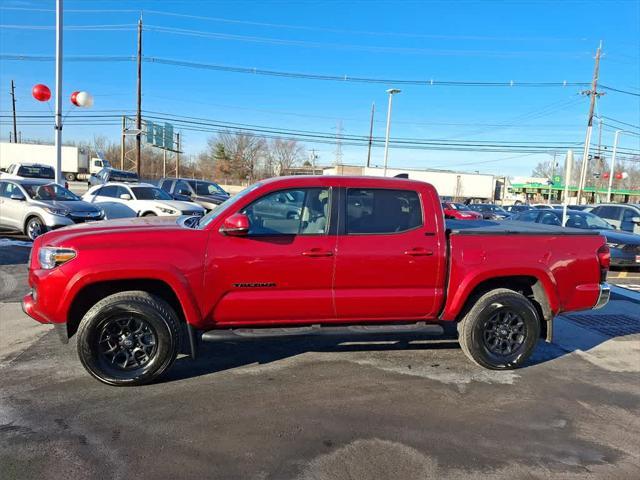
<point>66,235</point>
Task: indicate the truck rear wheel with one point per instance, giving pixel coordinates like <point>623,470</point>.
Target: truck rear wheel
<point>500,330</point>
<point>129,338</point>
<point>70,176</point>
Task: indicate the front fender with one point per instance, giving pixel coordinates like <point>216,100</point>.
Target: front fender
<point>168,274</point>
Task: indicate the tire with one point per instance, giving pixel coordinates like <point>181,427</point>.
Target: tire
<point>34,228</point>
<point>500,330</point>
<point>129,338</point>
<point>149,214</point>
<point>70,177</point>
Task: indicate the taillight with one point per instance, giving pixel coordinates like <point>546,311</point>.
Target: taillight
<point>604,258</point>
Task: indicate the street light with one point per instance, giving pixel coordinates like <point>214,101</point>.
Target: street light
<point>613,161</point>
<point>391,92</point>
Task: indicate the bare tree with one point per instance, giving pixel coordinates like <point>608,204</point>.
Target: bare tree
<point>284,154</point>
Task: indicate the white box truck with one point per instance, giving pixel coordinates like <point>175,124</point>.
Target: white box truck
<point>76,164</point>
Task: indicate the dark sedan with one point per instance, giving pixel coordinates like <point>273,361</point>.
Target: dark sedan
<point>625,247</point>
<point>490,211</point>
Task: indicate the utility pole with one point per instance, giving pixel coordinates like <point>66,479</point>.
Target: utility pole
<point>178,155</point>
<point>339,143</point>
<point>313,160</point>
<point>373,111</point>
<point>593,94</point>
<point>13,100</point>
<point>139,108</point>
<point>553,174</point>
<point>58,106</point>
<point>391,92</point>
<point>123,142</point>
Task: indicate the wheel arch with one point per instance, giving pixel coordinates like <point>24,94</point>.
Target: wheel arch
<point>539,292</point>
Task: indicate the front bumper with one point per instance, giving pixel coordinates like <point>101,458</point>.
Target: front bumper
<point>603,296</point>
<point>29,307</point>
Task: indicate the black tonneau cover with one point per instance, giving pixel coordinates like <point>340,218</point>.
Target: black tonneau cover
<point>508,227</point>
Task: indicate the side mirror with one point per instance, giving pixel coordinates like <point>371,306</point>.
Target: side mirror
<point>17,196</point>
<point>125,196</point>
<point>236,225</point>
<point>636,220</point>
<point>186,193</point>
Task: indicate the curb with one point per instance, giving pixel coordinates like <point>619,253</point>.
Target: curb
<point>619,293</point>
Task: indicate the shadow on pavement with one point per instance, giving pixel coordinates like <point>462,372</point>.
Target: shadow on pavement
<point>225,355</point>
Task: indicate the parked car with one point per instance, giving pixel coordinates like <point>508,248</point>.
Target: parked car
<point>518,208</point>
<point>625,216</point>
<point>112,175</point>
<point>366,255</point>
<point>36,206</point>
<point>459,211</point>
<point>206,194</point>
<point>21,171</point>
<point>142,199</point>
<point>490,211</point>
<point>625,247</point>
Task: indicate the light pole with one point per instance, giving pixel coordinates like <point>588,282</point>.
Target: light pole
<point>613,161</point>
<point>58,106</point>
<point>391,92</point>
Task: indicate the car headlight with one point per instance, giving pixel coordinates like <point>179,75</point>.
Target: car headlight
<point>52,257</point>
<point>168,211</point>
<point>57,211</point>
<point>614,245</point>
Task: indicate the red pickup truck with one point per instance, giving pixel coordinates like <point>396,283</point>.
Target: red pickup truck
<point>308,255</point>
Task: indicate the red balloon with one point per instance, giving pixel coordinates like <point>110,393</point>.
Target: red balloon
<point>41,92</point>
<point>74,98</point>
<point>618,176</point>
<point>606,175</point>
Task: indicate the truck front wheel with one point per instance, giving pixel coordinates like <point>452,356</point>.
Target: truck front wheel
<point>500,330</point>
<point>129,338</point>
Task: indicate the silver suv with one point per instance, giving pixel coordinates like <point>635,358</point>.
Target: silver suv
<point>35,206</point>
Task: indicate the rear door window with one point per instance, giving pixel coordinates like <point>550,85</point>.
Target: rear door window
<point>382,211</point>
<point>608,212</point>
<point>109,191</point>
<point>550,218</point>
<point>627,223</point>
<point>528,216</point>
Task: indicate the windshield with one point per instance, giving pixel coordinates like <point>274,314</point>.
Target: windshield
<point>35,171</point>
<point>209,217</point>
<point>150,193</point>
<point>51,191</point>
<point>206,188</point>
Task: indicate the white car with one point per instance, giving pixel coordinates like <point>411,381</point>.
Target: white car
<point>140,199</point>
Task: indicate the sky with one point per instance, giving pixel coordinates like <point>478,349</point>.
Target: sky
<point>461,41</point>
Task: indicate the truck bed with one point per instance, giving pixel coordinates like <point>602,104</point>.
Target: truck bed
<point>491,227</point>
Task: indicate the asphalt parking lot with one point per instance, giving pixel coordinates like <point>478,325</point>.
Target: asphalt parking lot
<point>403,407</point>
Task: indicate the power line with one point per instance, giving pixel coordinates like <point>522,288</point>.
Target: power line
<point>306,76</point>
<point>621,122</point>
<point>346,46</point>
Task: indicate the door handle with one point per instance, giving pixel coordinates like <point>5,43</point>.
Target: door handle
<point>317,252</point>
<point>418,252</point>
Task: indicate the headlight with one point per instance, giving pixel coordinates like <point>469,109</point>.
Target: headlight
<point>51,257</point>
<point>168,211</point>
<point>612,245</point>
<point>57,211</point>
